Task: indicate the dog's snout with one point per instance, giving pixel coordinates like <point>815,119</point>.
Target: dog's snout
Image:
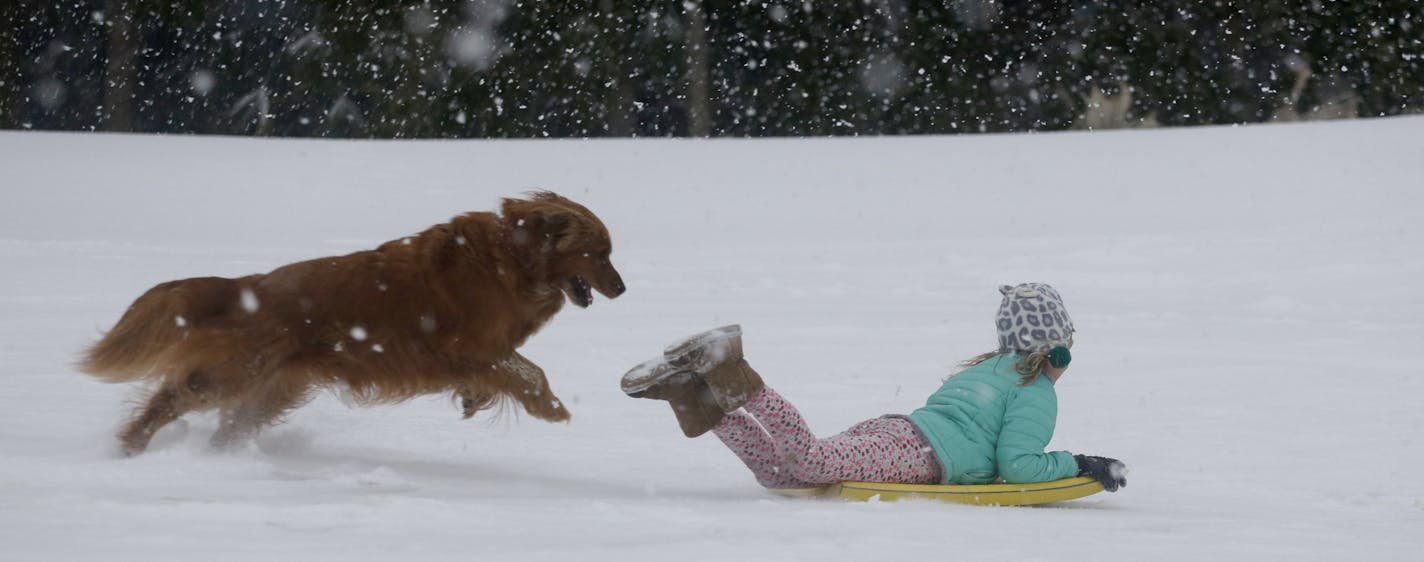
<point>613,285</point>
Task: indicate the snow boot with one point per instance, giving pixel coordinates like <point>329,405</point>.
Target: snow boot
<point>685,391</point>
<point>716,355</point>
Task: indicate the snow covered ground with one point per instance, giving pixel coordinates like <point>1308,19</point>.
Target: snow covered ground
<point>1246,298</point>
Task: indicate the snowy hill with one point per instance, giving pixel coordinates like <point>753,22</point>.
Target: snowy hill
<point>1245,298</point>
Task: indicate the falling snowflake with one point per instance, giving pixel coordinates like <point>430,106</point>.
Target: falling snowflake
<point>249,301</point>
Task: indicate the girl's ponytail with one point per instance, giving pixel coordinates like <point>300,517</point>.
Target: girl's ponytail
<point>1028,367</point>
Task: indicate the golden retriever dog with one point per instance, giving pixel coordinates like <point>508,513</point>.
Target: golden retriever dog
<point>442,311</point>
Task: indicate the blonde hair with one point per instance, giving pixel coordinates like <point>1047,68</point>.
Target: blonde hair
<point>1028,367</point>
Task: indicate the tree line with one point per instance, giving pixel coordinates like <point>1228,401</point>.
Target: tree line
<point>596,68</point>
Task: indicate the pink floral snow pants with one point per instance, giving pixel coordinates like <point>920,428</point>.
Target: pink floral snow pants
<point>773,440</point>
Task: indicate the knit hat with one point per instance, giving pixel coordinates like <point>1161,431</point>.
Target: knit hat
<point>1032,318</point>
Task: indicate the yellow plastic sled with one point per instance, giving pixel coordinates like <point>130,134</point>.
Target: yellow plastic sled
<point>980,494</point>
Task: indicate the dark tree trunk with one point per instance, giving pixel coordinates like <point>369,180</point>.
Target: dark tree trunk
<point>618,100</point>
<point>699,71</point>
<point>121,67</point>
<point>12,85</point>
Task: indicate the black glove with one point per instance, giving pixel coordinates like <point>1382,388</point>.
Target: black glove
<point>1111,473</point>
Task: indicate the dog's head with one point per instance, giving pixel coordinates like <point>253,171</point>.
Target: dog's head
<point>564,243</point>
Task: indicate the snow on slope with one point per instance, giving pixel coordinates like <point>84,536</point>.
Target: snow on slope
<point>1246,302</point>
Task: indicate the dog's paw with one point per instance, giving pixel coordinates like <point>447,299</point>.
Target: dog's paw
<point>563,414</point>
<point>552,411</point>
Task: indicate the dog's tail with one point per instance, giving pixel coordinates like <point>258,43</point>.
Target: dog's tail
<point>149,339</point>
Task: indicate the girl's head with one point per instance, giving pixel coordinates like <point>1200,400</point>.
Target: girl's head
<point>1032,321</point>
<point>1032,318</point>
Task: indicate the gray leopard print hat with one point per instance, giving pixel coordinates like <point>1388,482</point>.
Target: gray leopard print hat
<point>1032,318</point>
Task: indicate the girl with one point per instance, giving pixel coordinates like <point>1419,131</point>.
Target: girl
<point>989,421</point>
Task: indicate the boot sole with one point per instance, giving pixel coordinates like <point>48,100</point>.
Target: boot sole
<point>692,352</point>
<point>646,375</point>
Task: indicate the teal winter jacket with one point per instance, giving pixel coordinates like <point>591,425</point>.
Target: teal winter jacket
<point>983,425</point>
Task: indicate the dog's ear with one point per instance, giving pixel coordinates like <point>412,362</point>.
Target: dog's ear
<point>542,220</point>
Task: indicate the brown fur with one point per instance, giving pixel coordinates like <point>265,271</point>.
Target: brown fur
<point>441,311</point>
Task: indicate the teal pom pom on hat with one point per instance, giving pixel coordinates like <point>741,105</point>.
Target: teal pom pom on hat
<point>1059,357</point>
